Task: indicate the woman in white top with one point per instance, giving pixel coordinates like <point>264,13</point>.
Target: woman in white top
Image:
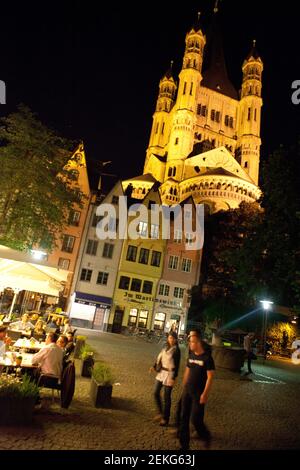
<point>167,365</point>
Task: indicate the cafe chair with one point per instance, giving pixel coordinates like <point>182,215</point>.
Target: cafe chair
<point>14,335</point>
<point>50,381</point>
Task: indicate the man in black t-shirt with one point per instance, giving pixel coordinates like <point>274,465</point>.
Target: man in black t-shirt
<point>197,382</point>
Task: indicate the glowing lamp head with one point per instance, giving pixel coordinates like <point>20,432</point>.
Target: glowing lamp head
<point>266,304</point>
<point>38,255</point>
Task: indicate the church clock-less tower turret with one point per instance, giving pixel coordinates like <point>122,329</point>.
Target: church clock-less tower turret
<point>249,141</point>
<point>184,117</point>
<point>161,122</point>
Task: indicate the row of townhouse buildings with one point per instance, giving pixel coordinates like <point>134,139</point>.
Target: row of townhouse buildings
<point>128,283</point>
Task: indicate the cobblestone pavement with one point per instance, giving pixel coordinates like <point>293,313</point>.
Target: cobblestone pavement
<point>262,413</point>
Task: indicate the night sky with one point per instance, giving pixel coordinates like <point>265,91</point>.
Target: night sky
<point>92,72</point>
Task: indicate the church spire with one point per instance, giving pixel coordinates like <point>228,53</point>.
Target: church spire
<point>215,75</point>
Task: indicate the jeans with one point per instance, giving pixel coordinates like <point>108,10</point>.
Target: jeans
<point>191,409</point>
<point>164,410</point>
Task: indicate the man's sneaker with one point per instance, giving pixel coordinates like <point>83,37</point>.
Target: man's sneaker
<point>157,418</point>
<point>163,422</point>
<point>173,432</point>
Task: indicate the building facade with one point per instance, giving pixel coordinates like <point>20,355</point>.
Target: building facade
<point>139,272</point>
<point>66,254</point>
<point>180,273</point>
<point>97,269</point>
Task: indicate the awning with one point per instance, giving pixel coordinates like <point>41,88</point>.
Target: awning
<point>96,299</point>
<point>18,274</point>
<point>174,316</point>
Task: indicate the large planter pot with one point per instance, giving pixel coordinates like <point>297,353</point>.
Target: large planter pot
<point>78,346</point>
<point>100,394</point>
<point>16,411</point>
<point>228,358</point>
<point>86,366</point>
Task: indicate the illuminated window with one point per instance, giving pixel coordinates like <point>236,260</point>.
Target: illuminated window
<point>63,263</point>
<point>186,265</point>
<point>164,289</point>
<point>143,229</point>
<point>159,321</point>
<point>143,317</point>
<point>154,231</point>
<point>178,292</point>
<point>132,317</point>
<point>74,218</point>
<point>173,262</point>
<point>68,243</point>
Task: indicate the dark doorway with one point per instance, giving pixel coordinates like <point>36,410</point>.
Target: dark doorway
<point>117,324</point>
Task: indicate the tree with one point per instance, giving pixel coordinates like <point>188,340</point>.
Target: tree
<point>267,263</point>
<point>38,187</point>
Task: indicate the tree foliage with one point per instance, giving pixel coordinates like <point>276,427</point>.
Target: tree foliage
<point>253,251</point>
<point>37,186</point>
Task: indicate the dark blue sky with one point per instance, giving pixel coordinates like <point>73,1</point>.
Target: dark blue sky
<point>92,72</point>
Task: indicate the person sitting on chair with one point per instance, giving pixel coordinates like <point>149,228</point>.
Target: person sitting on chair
<point>67,327</point>
<point>50,357</point>
<point>22,325</point>
<point>4,340</point>
<point>39,328</point>
<point>70,345</point>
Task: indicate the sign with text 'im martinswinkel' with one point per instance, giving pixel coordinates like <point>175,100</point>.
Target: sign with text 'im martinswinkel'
<point>2,92</point>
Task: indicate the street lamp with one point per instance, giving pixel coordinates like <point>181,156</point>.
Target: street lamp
<point>266,305</point>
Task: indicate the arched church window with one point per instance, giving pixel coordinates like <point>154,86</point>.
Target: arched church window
<point>170,172</point>
<point>174,171</point>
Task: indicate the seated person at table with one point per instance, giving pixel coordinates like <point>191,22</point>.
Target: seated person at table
<point>50,357</point>
<point>62,343</point>
<point>23,324</point>
<point>70,345</point>
<point>39,328</point>
<point>67,327</point>
<point>4,340</point>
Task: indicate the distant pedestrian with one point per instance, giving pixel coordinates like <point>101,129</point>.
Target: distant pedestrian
<point>167,365</point>
<point>249,352</point>
<point>197,381</point>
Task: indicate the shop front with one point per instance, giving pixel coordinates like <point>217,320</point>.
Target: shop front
<point>169,317</point>
<point>130,311</point>
<point>90,311</point>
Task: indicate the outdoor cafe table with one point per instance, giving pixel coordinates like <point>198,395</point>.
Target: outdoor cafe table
<point>24,343</point>
<point>7,360</point>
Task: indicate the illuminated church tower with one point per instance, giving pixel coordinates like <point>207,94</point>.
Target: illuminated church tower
<point>205,137</point>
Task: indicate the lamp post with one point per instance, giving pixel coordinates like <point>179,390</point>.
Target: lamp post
<point>266,305</point>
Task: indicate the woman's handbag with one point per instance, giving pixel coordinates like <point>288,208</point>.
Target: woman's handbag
<point>158,366</point>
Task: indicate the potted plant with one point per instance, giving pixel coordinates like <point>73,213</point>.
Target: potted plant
<point>86,356</point>
<point>19,360</point>
<point>80,341</point>
<point>101,385</point>
<point>17,399</point>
